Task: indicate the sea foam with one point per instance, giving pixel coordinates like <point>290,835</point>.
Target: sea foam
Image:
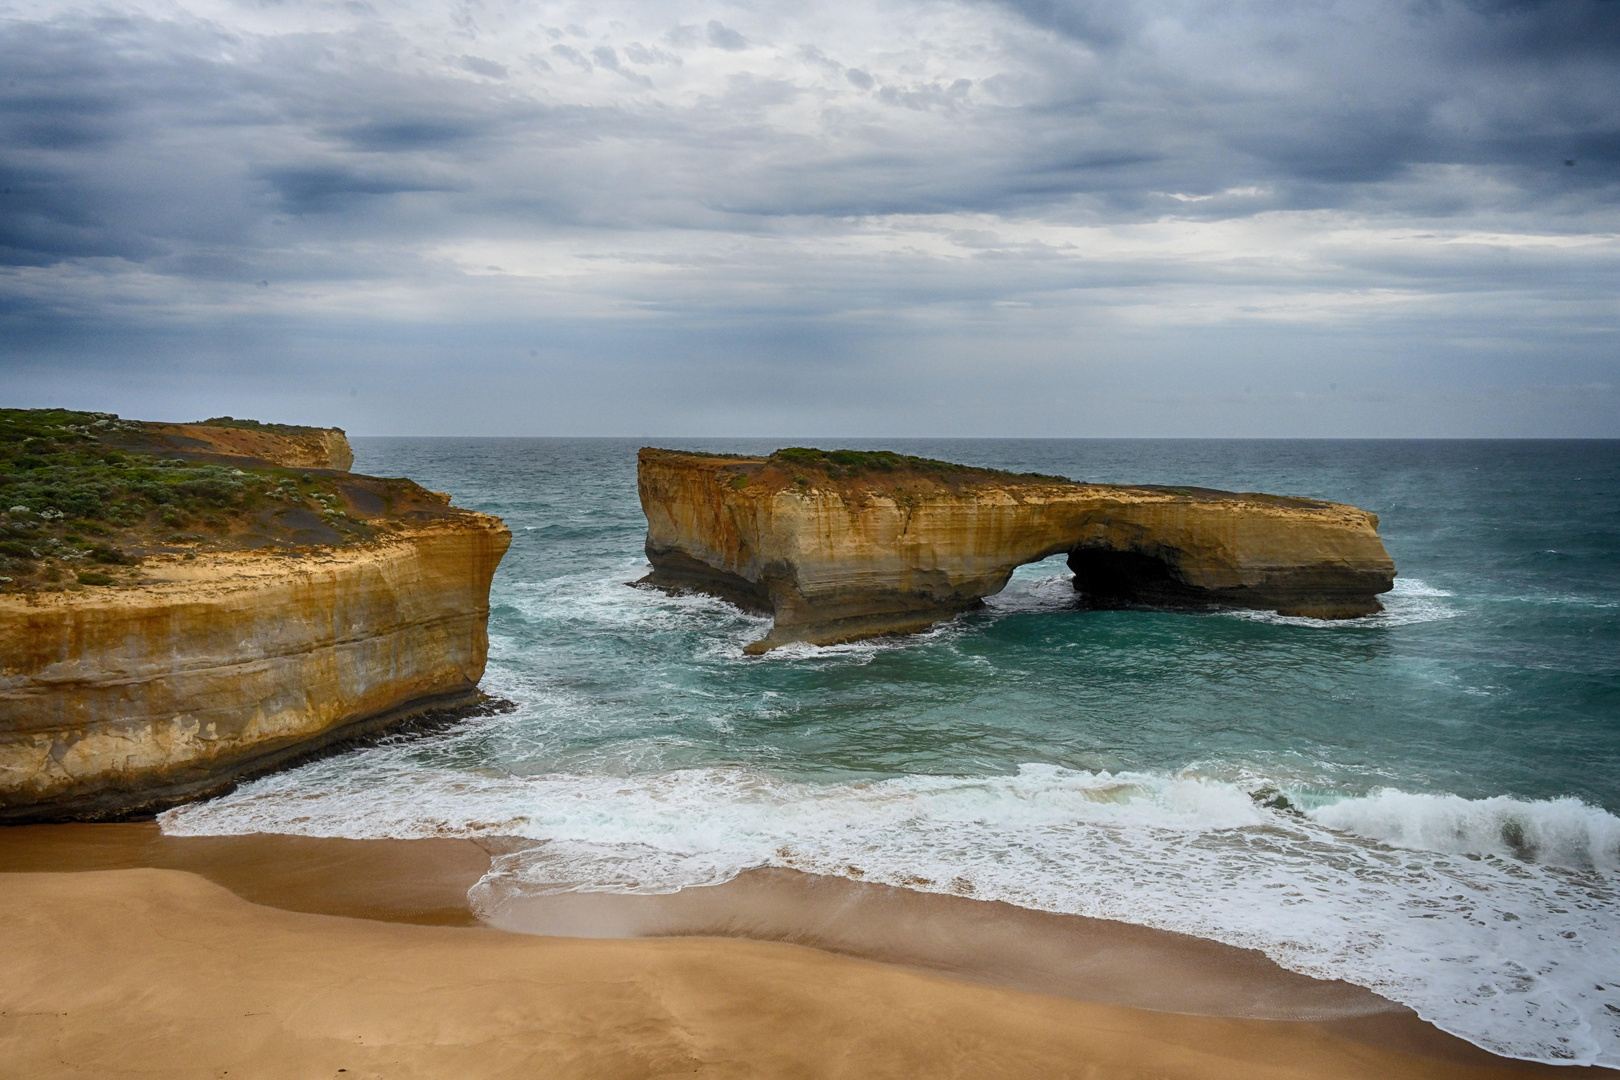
<point>1496,919</point>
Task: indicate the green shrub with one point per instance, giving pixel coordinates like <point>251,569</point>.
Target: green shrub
<point>841,463</point>
<point>91,577</point>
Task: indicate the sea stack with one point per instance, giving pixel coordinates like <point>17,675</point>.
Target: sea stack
<point>843,545</point>
<point>184,606</point>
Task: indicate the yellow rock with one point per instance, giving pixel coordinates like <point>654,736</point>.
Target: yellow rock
<point>232,663</point>
<point>838,558</point>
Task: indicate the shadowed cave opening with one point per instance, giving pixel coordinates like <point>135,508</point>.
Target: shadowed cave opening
<point>1105,577</point>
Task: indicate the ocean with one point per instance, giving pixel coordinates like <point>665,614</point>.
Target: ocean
<point>1422,802</point>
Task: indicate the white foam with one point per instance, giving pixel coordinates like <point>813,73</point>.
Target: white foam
<point>1411,601</point>
<point>1555,832</point>
<point>1499,941</point>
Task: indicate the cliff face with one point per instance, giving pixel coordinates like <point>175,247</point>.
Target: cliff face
<point>183,605</point>
<point>840,557</point>
<point>226,664</point>
<point>277,444</point>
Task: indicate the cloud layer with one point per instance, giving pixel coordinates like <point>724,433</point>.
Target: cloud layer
<point>1044,217</point>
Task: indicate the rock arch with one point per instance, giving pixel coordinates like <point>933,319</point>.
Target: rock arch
<point>840,552</point>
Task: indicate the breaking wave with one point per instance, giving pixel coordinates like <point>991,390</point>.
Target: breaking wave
<point>1496,919</point>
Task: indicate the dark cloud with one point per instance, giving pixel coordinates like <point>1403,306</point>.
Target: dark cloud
<point>479,66</point>
<point>723,37</point>
<point>397,134</point>
<point>787,171</point>
<point>325,189</point>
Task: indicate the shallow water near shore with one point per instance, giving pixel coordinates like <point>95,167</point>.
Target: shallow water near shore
<point>1421,802</point>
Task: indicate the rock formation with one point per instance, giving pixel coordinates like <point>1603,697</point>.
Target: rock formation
<point>844,545</point>
<point>227,438</point>
<point>317,607</point>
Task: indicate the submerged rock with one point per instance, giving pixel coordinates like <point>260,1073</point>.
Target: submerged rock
<point>847,545</point>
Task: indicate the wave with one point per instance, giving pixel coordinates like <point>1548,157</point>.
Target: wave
<point>1492,918</point>
<point>1411,601</point>
<point>1555,832</point>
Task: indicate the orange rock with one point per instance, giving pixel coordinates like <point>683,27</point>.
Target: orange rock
<point>229,664</point>
<point>841,554</point>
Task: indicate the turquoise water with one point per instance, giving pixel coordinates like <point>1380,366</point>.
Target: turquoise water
<point>1449,771</point>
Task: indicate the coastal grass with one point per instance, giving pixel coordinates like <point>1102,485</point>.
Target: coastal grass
<point>69,495</point>
<point>848,464</point>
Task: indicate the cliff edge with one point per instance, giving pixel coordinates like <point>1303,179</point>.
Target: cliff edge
<point>843,545</point>
<point>171,624</point>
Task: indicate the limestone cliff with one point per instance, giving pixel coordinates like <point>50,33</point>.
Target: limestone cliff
<point>141,665</point>
<point>227,664</point>
<point>881,544</point>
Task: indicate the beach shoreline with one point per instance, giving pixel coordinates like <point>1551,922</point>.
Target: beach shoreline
<point>1000,963</point>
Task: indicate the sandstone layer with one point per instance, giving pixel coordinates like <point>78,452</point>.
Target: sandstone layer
<point>185,605</point>
<point>229,664</point>
<point>887,545</point>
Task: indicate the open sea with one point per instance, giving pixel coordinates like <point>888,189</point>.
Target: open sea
<point>1422,801</point>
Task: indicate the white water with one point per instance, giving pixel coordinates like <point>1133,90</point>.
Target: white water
<point>1497,920</point>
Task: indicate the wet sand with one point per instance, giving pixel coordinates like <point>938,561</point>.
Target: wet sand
<point>131,953</point>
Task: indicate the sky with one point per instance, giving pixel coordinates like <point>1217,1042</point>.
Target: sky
<point>1013,218</point>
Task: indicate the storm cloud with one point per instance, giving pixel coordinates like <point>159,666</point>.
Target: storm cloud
<point>1043,217</point>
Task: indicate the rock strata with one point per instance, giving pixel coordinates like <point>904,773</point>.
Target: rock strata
<point>842,546</point>
<point>318,607</point>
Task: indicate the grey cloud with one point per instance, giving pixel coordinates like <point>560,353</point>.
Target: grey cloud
<point>815,56</point>
<point>1371,90</point>
<point>925,96</point>
<point>207,160</point>
<point>723,37</point>
<point>644,54</point>
<point>480,66</point>
<point>324,189</point>
<point>393,134</point>
<point>573,56</point>
<point>608,58</point>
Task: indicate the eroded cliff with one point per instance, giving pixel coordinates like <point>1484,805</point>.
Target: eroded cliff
<point>841,548</point>
<point>228,664</point>
<point>140,665</point>
<point>227,437</point>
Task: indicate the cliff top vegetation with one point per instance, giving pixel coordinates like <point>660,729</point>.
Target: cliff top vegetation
<point>79,507</point>
<point>256,425</point>
<point>841,464</point>
<point>854,471</point>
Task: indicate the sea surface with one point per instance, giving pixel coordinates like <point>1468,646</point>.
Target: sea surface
<point>1422,801</point>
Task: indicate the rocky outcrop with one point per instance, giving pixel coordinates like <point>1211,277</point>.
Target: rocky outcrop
<point>186,605</point>
<point>227,440</point>
<point>226,665</point>
<point>842,548</point>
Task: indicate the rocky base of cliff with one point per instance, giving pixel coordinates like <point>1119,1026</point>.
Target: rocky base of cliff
<point>1105,578</point>
<point>676,572</point>
<point>138,800</point>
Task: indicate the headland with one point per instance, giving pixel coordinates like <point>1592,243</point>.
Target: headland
<point>187,605</point>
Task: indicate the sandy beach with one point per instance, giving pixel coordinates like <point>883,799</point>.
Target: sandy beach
<point>132,954</point>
